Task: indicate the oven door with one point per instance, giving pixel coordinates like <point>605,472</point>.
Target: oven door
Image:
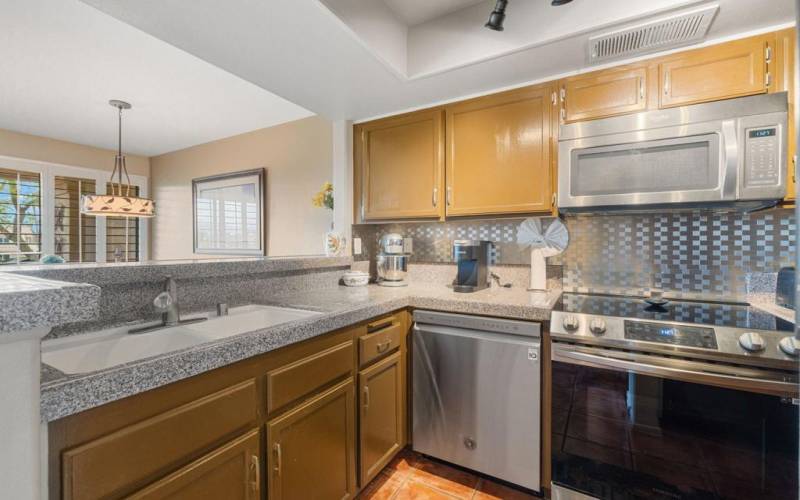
<point>694,163</point>
<point>625,429</point>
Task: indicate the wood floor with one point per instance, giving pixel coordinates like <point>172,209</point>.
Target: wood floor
<point>411,476</point>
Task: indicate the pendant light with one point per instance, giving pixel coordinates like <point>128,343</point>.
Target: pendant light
<point>119,202</point>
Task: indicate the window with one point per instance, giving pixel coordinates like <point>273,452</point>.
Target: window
<point>40,215</point>
<point>75,233</point>
<point>20,216</point>
<point>122,233</point>
<point>228,213</point>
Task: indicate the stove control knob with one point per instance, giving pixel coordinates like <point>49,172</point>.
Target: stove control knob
<point>790,346</point>
<point>571,323</point>
<point>751,341</point>
<point>597,326</point>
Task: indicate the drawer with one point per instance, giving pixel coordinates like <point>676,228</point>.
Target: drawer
<point>307,376</point>
<point>115,464</point>
<point>383,338</point>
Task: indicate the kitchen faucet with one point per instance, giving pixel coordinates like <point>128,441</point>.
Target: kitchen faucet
<point>167,303</point>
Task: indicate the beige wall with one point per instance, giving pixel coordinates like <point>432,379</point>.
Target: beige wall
<point>32,147</point>
<point>298,159</point>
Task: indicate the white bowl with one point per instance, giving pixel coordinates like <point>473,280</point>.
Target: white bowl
<point>355,278</point>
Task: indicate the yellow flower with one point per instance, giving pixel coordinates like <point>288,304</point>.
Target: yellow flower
<point>327,186</point>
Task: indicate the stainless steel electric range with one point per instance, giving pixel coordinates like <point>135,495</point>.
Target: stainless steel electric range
<point>677,400</point>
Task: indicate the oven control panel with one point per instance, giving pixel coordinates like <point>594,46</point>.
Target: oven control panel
<point>683,335</point>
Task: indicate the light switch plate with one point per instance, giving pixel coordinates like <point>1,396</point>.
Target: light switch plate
<point>408,245</point>
<point>356,246</point>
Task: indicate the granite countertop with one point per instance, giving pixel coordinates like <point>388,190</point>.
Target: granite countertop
<point>27,302</point>
<point>64,395</point>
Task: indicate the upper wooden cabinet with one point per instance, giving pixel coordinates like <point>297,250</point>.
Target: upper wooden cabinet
<point>498,153</point>
<point>723,71</point>
<point>604,93</point>
<point>402,166</point>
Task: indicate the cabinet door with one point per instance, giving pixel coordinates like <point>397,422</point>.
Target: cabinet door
<point>604,93</point>
<point>402,165</point>
<point>232,471</point>
<point>381,423</point>
<point>781,64</point>
<point>498,153</point>
<point>731,69</point>
<point>311,449</point>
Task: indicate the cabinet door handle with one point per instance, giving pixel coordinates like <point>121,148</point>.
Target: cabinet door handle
<point>254,463</point>
<point>366,397</point>
<point>383,346</point>
<point>641,88</point>
<point>278,458</point>
<point>435,197</point>
<point>666,83</point>
<point>449,195</point>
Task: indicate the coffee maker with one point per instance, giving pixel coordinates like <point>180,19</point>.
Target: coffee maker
<point>472,258</point>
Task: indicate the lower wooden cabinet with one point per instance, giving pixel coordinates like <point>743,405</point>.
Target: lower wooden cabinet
<point>311,448</point>
<point>381,424</point>
<point>282,425</point>
<point>232,471</point>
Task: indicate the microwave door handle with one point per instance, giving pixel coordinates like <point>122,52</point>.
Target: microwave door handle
<point>729,165</point>
<point>683,370</point>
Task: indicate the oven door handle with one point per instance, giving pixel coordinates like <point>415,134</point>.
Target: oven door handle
<point>732,377</point>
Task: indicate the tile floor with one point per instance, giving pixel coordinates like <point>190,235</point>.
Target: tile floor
<point>411,476</point>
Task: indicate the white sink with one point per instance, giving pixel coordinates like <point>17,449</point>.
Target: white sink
<point>107,348</point>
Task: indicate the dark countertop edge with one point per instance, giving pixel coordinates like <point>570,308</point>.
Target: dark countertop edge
<point>108,274</point>
<point>66,396</point>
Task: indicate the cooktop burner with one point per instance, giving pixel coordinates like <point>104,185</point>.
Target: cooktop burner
<point>734,315</point>
<point>728,332</point>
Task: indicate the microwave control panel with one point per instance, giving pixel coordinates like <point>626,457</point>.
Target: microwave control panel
<point>762,167</point>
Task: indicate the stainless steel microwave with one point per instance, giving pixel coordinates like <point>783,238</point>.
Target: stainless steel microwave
<point>728,153</point>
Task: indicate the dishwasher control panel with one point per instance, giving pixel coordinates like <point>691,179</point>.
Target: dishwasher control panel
<point>479,323</point>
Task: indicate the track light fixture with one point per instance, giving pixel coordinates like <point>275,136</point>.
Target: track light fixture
<point>498,15</point>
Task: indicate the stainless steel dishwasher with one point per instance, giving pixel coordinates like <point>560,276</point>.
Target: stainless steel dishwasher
<point>476,394</point>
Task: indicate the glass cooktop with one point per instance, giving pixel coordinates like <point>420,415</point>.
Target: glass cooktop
<point>736,315</point>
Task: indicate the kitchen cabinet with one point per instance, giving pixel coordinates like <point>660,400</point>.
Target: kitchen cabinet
<point>400,163</point>
<point>283,422</point>
<point>381,425</point>
<point>723,71</point>
<point>604,93</point>
<point>233,471</point>
<point>783,67</point>
<point>498,153</point>
<point>312,448</point>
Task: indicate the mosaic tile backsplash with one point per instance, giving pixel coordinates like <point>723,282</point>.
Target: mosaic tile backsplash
<point>690,254</point>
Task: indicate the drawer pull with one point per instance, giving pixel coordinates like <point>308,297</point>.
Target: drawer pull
<point>383,346</point>
<point>278,459</point>
<point>254,463</point>
<point>366,398</point>
<point>379,325</point>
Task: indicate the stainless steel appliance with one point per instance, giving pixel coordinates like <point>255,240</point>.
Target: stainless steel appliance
<point>472,259</point>
<point>720,154</point>
<point>476,394</point>
<point>392,262</point>
<point>684,400</point>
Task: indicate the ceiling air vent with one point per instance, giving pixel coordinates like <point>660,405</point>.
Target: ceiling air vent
<point>664,33</point>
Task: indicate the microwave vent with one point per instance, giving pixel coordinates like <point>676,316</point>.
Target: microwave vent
<point>664,33</point>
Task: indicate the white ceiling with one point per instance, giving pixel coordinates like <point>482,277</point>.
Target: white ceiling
<point>413,12</point>
<point>62,60</point>
<point>303,52</point>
